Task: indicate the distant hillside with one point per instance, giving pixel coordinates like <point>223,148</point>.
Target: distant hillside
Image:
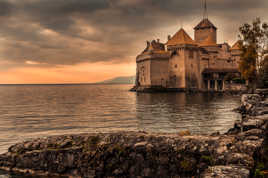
<point>120,80</point>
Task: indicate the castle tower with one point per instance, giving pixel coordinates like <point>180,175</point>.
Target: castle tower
<point>184,64</point>
<point>205,30</point>
<point>180,38</point>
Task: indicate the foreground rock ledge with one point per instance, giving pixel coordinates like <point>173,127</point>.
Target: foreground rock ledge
<point>242,152</point>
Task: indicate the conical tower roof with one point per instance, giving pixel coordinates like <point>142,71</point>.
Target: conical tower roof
<point>236,46</point>
<point>181,37</point>
<point>205,23</point>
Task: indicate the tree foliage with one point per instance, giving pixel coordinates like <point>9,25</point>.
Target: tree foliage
<point>247,64</point>
<point>253,44</point>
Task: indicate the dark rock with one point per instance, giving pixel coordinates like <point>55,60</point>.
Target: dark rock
<point>236,129</point>
<point>249,104</point>
<point>253,132</point>
<point>134,154</point>
<point>262,92</point>
<point>240,159</point>
<point>261,158</point>
<point>251,124</point>
<point>226,171</point>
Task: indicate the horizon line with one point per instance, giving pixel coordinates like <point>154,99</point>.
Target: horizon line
<point>99,83</point>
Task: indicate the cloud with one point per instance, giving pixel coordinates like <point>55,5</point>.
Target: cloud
<point>5,8</point>
<point>69,32</point>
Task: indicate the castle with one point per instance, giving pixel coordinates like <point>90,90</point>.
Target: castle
<point>186,64</point>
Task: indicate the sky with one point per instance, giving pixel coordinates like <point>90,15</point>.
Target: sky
<point>84,41</point>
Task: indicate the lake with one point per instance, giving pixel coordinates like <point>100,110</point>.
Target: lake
<point>31,111</point>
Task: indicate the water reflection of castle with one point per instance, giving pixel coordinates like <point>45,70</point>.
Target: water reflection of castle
<point>173,112</point>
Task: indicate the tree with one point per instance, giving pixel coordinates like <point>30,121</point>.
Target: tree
<point>247,65</point>
<point>254,40</point>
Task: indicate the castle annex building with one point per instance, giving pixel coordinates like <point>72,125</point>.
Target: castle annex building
<point>186,64</point>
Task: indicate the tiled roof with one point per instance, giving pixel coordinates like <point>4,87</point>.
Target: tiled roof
<point>181,37</point>
<point>236,46</point>
<point>205,23</point>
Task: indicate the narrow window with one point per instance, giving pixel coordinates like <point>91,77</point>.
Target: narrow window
<point>191,54</point>
<point>174,53</point>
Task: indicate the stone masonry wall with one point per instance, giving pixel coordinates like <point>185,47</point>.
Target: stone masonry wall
<point>177,70</point>
<point>159,72</point>
<point>144,72</point>
<point>203,34</point>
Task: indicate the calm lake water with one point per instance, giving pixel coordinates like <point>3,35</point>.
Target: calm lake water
<point>30,111</point>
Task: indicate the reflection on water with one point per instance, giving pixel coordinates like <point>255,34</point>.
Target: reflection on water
<point>30,111</point>
<point>198,113</point>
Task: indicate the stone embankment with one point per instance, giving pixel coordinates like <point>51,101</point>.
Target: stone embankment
<point>241,152</point>
<point>155,89</point>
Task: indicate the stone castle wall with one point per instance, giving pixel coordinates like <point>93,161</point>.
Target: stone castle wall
<point>192,66</point>
<point>202,34</point>
<point>159,72</point>
<point>183,69</point>
<point>144,72</point>
<point>177,70</point>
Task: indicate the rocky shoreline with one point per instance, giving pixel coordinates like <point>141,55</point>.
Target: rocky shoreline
<point>241,152</point>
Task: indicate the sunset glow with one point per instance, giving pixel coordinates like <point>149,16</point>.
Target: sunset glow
<point>79,73</point>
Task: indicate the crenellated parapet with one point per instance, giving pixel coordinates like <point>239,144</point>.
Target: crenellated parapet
<point>143,57</point>
<point>153,50</point>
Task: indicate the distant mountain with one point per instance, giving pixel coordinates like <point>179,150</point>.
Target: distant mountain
<point>120,80</point>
